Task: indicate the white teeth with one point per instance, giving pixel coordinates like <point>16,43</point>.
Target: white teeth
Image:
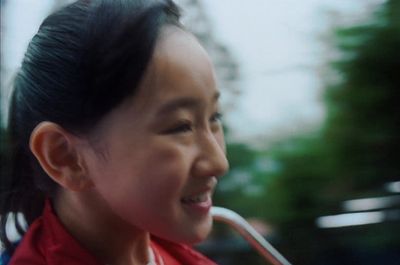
<point>196,199</point>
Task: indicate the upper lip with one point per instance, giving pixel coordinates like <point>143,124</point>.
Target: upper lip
<point>208,188</point>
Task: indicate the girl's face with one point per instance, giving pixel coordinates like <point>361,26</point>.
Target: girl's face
<point>162,150</point>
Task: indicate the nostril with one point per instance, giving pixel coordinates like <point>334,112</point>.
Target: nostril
<point>219,165</point>
<point>211,166</point>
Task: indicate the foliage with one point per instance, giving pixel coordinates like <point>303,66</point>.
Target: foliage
<point>352,156</point>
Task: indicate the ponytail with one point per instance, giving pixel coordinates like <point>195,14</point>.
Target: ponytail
<point>18,192</point>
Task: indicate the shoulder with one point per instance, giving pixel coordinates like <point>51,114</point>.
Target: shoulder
<point>29,250</point>
<point>181,254</point>
<point>47,242</point>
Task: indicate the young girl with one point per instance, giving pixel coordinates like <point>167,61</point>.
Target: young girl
<point>115,143</point>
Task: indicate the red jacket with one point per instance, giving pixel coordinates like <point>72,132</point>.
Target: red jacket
<point>48,243</point>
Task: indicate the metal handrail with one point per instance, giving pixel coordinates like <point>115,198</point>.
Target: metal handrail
<point>249,233</point>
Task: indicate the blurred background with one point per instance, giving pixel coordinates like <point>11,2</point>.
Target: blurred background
<point>311,102</point>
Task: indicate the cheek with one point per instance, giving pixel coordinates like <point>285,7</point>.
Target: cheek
<point>138,182</point>
<point>166,170</point>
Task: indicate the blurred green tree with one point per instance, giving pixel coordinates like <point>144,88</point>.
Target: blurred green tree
<point>363,109</point>
<point>353,155</point>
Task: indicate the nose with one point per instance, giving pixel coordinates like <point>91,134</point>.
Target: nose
<point>211,159</point>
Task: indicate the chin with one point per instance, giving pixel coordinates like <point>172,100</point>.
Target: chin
<point>197,240</point>
<point>198,234</point>
<point>189,233</point>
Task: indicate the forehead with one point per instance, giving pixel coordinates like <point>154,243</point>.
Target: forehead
<point>179,74</point>
<point>180,67</point>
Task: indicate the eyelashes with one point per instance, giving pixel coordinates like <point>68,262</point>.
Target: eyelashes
<point>181,127</point>
<point>186,126</point>
<point>216,117</point>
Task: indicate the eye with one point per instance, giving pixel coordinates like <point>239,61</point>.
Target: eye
<point>182,127</point>
<point>216,117</point>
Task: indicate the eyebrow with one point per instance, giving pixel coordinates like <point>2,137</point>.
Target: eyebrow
<point>183,103</point>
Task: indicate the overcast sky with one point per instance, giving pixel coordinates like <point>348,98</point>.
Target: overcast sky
<point>276,43</point>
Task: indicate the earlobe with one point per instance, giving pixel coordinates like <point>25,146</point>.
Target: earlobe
<point>58,154</point>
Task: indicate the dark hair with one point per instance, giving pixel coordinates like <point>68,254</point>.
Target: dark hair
<point>85,60</point>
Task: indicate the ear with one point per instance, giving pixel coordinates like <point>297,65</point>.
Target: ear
<point>58,153</point>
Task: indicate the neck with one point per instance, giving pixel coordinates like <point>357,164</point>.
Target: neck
<point>107,237</point>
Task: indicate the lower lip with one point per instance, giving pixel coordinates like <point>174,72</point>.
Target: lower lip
<point>200,208</point>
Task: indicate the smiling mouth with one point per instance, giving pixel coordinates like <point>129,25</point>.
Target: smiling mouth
<point>196,199</point>
<point>199,205</point>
